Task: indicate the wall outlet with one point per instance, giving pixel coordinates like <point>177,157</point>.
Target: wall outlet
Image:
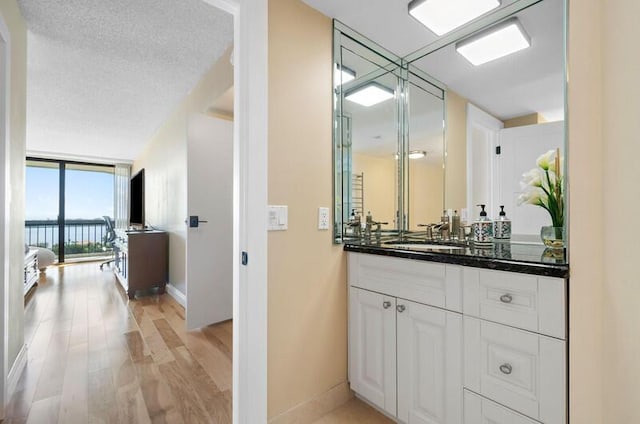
<point>323,218</point>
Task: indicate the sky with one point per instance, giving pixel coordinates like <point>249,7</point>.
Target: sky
<point>89,195</point>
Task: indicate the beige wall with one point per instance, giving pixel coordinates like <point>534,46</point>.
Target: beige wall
<point>621,203</point>
<point>164,159</point>
<point>307,321</point>
<point>426,186</point>
<point>456,161</point>
<point>379,186</point>
<point>520,121</point>
<point>17,127</point>
<point>585,150</point>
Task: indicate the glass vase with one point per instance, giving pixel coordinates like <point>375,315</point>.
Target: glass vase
<point>552,237</point>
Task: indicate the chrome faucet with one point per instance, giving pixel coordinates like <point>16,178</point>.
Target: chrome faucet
<point>369,223</point>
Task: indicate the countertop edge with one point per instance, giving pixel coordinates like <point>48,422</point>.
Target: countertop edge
<point>540,269</point>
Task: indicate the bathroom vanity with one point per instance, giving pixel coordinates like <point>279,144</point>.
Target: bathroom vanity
<point>459,335</point>
<point>441,333</point>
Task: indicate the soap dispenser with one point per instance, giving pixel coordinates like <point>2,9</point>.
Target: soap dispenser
<point>502,226</point>
<point>483,229</point>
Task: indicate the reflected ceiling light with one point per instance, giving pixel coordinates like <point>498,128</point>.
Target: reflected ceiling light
<point>417,154</point>
<point>414,154</point>
<point>342,74</point>
<point>369,94</point>
<point>442,16</point>
<point>498,41</point>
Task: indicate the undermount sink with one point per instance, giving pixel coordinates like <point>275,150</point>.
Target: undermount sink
<point>422,246</point>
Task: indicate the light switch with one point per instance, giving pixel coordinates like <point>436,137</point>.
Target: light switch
<point>278,219</point>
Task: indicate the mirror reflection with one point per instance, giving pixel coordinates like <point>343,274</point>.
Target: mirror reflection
<point>366,83</point>
<point>425,151</point>
<point>500,113</point>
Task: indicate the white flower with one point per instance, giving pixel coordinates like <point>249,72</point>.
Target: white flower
<point>532,178</point>
<point>531,197</point>
<point>547,160</point>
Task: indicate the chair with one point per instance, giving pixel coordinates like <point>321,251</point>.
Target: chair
<point>109,239</point>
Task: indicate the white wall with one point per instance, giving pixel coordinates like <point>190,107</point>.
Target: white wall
<point>165,162</point>
<point>521,147</point>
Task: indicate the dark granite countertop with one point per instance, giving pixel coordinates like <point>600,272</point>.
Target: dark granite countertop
<point>502,256</point>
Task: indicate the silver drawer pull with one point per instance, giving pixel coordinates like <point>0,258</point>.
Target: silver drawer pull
<point>386,304</point>
<point>401,308</point>
<point>506,369</point>
<point>506,298</point>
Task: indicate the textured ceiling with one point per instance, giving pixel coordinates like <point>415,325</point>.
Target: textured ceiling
<point>104,75</point>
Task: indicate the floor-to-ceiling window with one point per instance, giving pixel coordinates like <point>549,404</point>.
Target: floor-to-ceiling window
<point>65,205</point>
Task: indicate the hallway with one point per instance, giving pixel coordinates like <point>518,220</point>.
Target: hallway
<point>94,357</point>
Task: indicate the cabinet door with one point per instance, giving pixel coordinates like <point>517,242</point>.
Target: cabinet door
<point>372,347</point>
<point>429,364</point>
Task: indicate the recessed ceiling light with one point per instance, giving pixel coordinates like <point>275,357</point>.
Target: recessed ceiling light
<point>442,16</point>
<point>342,75</point>
<point>369,94</point>
<point>500,40</point>
<point>417,154</point>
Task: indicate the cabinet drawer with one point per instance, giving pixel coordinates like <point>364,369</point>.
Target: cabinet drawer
<point>423,282</point>
<point>478,410</point>
<point>521,370</point>
<point>524,301</point>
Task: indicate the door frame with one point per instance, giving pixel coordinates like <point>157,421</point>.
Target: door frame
<point>5,193</point>
<point>250,59</point>
<point>478,118</point>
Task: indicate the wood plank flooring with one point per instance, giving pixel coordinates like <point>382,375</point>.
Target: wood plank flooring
<point>96,357</point>
<point>354,412</point>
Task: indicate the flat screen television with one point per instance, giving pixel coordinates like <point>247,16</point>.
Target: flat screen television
<point>136,203</point>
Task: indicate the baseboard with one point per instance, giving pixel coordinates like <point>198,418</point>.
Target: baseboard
<point>16,371</point>
<point>177,295</point>
<point>315,408</point>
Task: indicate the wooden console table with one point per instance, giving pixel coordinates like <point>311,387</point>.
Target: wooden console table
<point>141,260</point>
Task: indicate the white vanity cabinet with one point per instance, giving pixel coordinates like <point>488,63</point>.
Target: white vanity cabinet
<point>372,347</point>
<point>433,343</point>
<point>479,410</point>
<point>515,349</point>
<point>405,357</point>
<point>429,346</point>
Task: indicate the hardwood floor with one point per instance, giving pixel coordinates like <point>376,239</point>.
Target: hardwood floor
<point>354,412</point>
<point>95,357</point>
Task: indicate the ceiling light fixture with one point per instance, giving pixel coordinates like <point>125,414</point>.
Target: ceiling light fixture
<point>369,94</point>
<point>342,75</point>
<point>493,43</point>
<point>442,16</point>
<point>417,154</point>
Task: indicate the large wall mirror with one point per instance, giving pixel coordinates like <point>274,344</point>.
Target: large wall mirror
<point>367,83</point>
<point>453,132</point>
